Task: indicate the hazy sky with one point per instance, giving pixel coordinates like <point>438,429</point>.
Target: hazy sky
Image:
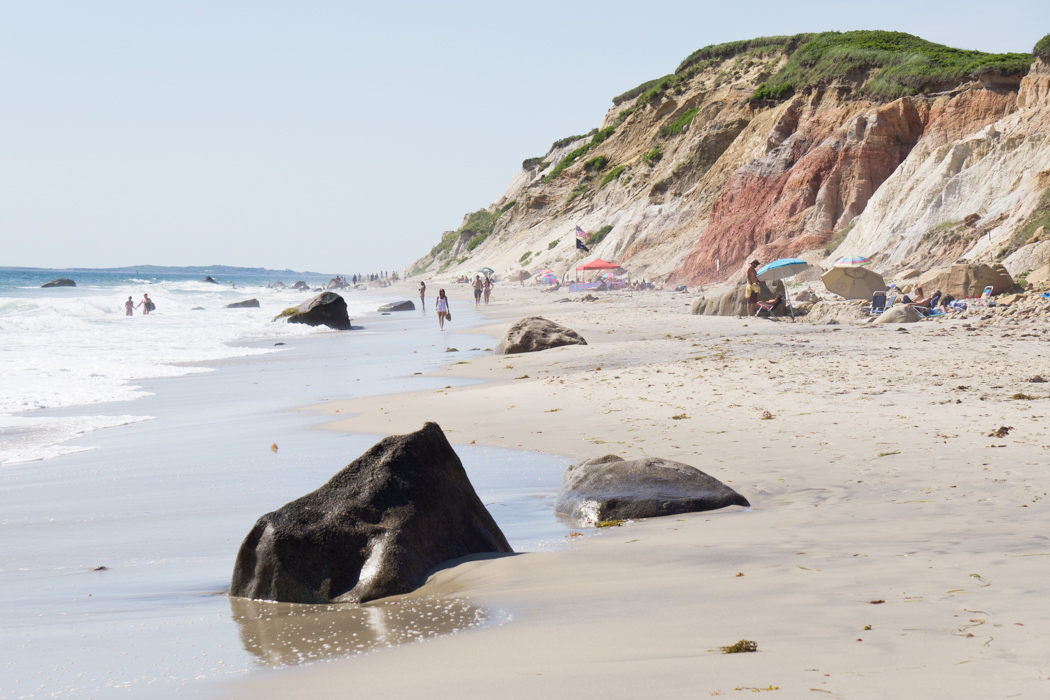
<point>339,136</point>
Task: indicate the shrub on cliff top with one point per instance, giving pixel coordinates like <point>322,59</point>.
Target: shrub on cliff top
<point>903,64</point>
<point>759,47</point>
<point>1042,48</point>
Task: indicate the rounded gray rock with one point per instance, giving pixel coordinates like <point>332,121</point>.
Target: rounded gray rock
<point>611,488</point>
<point>536,333</point>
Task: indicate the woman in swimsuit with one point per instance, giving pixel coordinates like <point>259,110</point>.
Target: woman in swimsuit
<point>442,308</point>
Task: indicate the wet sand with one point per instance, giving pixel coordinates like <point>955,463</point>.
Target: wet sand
<point>895,546</point>
<point>115,562</point>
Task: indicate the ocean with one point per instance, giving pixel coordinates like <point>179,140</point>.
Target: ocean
<point>136,453</point>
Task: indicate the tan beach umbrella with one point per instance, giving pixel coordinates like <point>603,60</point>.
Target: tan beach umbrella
<point>853,282</point>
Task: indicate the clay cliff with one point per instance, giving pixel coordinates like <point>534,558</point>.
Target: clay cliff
<point>815,146</point>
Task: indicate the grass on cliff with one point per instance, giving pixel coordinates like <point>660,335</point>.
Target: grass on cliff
<point>573,156</point>
<point>1040,216</point>
<point>679,124</point>
<point>902,64</point>
<point>613,174</point>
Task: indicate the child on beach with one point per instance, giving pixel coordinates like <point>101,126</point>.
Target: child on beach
<point>129,307</point>
<point>442,308</point>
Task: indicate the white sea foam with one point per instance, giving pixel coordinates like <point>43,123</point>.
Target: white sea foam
<point>76,347</point>
<point>27,439</point>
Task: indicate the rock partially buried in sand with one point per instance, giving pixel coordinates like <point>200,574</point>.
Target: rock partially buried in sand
<point>536,333</point>
<point>610,488</point>
<point>325,309</point>
<point>398,306</point>
<point>899,313</point>
<point>60,282</point>
<point>375,529</point>
<point>246,304</point>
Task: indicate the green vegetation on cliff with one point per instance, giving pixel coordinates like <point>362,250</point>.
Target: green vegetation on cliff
<point>896,64</point>
<point>679,124</point>
<point>573,156</point>
<point>1042,48</point>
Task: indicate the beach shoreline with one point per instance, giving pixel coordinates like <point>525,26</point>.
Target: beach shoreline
<point>866,454</point>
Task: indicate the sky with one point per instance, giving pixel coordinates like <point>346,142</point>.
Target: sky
<point>340,137</point>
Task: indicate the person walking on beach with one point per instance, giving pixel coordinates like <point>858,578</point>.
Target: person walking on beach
<point>753,287</point>
<point>442,308</point>
<point>487,288</point>
<point>423,294</point>
<point>477,290</point>
<point>129,307</point>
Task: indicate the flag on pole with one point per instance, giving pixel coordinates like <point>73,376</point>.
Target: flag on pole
<point>580,233</point>
<point>581,246</point>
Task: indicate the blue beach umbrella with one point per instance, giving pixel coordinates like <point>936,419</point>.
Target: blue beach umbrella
<point>781,269</point>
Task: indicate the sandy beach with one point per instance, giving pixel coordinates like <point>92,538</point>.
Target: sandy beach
<point>894,547</point>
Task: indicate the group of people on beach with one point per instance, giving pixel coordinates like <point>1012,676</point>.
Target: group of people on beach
<point>374,277</point>
<point>146,304</point>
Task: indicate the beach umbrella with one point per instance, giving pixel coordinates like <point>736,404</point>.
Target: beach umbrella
<point>852,261</point>
<point>487,271</point>
<point>547,278</point>
<point>782,269</point>
<point>853,282</point>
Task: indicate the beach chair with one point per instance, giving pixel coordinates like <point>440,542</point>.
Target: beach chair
<point>768,306</point>
<point>878,303</point>
<point>986,295</point>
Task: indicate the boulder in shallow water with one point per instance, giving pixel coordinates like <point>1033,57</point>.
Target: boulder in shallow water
<point>325,309</point>
<point>301,286</point>
<point>376,529</point>
<point>536,333</point>
<point>611,488</point>
<point>60,282</point>
<point>209,280</point>
<point>398,306</point>
<point>246,304</point>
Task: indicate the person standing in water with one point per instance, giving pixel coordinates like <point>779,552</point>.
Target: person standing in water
<point>423,294</point>
<point>146,305</point>
<point>129,307</point>
<point>442,308</point>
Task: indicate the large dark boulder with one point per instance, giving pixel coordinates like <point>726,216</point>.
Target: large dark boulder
<point>398,306</point>
<point>60,282</point>
<point>301,286</point>
<point>277,284</point>
<point>375,529</point>
<point>246,304</point>
<point>610,488</point>
<point>325,309</point>
<point>209,280</point>
<point>536,333</point>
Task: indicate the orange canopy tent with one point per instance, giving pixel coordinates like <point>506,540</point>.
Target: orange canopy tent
<point>598,264</point>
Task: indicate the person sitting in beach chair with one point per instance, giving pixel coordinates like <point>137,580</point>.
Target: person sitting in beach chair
<point>768,306</point>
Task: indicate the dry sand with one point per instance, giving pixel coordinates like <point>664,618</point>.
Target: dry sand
<point>893,549</point>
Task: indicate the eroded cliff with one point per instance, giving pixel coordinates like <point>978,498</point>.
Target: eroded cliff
<point>872,143</point>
